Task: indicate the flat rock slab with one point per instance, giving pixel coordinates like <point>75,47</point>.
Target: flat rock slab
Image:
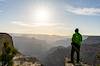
<point>66,62</point>
<point>70,64</point>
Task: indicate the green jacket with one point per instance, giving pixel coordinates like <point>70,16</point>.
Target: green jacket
<point>77,38</point>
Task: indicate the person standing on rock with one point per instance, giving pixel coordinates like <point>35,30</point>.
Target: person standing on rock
<point>76,43</point>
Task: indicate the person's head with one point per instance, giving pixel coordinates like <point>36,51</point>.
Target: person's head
<point>76,30</point>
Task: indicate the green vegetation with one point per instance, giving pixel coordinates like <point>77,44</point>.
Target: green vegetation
<point>7,55</point>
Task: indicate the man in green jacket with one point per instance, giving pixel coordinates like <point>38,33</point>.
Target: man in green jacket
<point>76,43</point>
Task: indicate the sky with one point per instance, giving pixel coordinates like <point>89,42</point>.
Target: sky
<point>53,17</point>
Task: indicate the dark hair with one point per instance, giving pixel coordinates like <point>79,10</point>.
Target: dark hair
<point>76,30</point>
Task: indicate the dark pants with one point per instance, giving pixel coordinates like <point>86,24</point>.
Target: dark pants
<point>75,48</point>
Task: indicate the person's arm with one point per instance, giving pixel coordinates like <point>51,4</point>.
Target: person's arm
<point>72,39</point>
<point>81,37</point>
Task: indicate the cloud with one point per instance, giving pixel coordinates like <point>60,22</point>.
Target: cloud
<point>24,24</point>
<point>83,11</point>
<point>21,23</point>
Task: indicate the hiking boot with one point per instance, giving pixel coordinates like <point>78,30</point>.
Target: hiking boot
<point>79,63</point>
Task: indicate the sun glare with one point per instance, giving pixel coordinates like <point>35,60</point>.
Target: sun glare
<point>41,14</point>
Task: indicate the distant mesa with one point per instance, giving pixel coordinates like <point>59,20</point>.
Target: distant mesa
<point>92,40</point>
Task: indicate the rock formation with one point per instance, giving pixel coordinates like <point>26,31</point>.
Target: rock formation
<point>5,38</point>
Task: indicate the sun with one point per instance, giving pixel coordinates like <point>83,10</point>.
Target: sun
<point>41,14</point>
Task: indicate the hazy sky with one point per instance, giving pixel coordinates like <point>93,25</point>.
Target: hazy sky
<point>59,17</point>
